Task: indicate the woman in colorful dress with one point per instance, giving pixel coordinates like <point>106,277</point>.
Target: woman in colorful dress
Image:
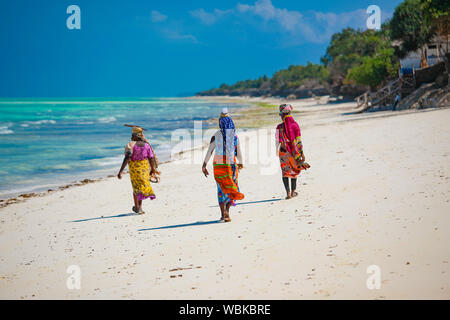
<point>290,150</point>
<point>140,158</point>
<point>227,148</point>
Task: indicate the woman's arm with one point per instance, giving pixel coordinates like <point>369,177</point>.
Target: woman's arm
<point>298,145</point>
<point>154,156</point>
<point>153,165</point>
<point>125,161</point>
<point>239,154</point>
<point>211,148</point>
<point>277,141</point>
<point>151,159</point>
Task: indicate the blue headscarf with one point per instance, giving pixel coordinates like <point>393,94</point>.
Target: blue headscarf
<point>228,130</point>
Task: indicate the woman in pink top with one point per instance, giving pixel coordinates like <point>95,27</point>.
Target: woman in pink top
<point>140,158</point>
<point>290,150</point>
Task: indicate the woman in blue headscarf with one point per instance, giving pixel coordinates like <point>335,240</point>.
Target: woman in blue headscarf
<point>226,144</point>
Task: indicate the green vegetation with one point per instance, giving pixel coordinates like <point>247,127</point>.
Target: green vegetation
<point>360,57</point>
<point>435,9</point>
<point>437,15</point>
<point>295,76</point>
<point>374,70</point>
<point>408,25</point>
<point>283,82</point>
<point>266,105</point>
<point>355,60</point>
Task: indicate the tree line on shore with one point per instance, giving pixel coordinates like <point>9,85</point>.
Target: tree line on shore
<point>355,60</point>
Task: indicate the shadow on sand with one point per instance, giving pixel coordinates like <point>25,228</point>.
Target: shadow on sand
<point>251,202</point>
<point>201,223</point>
<point>107,217</point>
<point>198,223</point>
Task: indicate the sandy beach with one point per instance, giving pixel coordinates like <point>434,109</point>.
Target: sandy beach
<point>377,193</point>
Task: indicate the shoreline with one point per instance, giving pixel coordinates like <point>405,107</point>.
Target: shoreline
<point>35,175</point>
<point>256,104</point>
<point>76,183</point>
<point>39,190</point>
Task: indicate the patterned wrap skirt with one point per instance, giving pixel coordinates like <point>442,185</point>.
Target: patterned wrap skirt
<point>140,179</point>
<point>227,185</point>
<point>289,166</point>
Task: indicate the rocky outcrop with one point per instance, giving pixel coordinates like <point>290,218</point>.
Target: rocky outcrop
<point>429,74</point>
<point>428,95</point>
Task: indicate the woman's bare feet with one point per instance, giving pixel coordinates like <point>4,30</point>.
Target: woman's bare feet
<point>294,194</point>
<point>288,196</point>
<point>226,216</point>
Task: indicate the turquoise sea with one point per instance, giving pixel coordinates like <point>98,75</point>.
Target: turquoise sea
<point>45,143</point>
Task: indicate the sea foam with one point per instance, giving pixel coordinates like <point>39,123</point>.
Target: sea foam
<point>40,122</point>
<point>5,130</point>
<point>107,119</point>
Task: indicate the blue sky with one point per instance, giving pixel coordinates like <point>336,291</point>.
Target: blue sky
<point>138,48</point>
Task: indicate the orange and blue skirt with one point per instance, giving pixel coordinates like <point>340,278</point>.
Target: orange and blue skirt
<point>227,184</point>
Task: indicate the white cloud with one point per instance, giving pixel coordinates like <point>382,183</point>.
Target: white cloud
<point>157,16</point>
<point>318,27</point>
<point>266,10</point>
<point>203,16</point>
<point>209,18</point>
<point>173,30</point>
<point>312,26</point>
<point>177,35</point>
<point>294,27</point>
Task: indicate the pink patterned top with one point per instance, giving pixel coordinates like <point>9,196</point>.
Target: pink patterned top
<point>289,135</point>
<point>139,153</point>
